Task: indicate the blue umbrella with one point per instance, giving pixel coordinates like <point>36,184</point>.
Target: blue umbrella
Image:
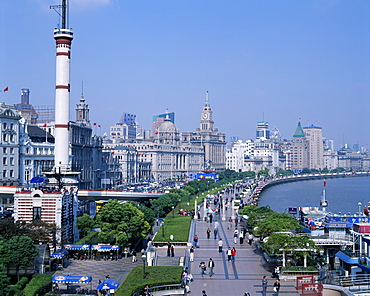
<point>108,284</point>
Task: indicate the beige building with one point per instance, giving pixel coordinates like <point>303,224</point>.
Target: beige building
<point>299,150</point>
<point>315,147</point>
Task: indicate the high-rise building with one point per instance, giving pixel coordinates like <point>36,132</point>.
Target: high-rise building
<point>262,130</point>
<point>314,138</point>
<point>299,150</point>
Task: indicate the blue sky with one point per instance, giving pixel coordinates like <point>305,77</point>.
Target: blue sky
<point>280,60</point>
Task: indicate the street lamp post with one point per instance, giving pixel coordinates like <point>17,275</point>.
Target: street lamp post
<point>144,259</point>
<point>173,212</point>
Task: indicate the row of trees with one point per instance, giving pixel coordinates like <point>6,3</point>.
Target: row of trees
<point>279,231</point>
<point>129,222</point>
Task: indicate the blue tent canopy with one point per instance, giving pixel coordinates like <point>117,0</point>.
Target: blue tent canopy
<point>105,248</point>
<point>61,279</point>
<point>39,179</point>
<point>77,247</point>
<point>59,255</point>
<point>111,284</point>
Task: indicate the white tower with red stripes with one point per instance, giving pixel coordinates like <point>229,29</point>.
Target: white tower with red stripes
<point>63,39</point>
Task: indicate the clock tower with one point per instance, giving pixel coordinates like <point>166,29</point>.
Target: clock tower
<point>206,121</point>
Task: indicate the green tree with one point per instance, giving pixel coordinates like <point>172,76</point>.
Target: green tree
<point>300,246</point>
<point>5,252</point>
<point>148,214</point>
<point>23,252</point>
<point>41,232</point>
<point>85,223</point>
<point>4,281</point>
<point>276,222</point>
<point>121,223</point>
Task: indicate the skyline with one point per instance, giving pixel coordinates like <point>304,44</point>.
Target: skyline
<point>272,60</point>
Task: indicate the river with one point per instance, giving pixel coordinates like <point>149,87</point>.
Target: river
<point>342,194</point>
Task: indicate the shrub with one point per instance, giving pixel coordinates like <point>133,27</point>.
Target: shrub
<point>39,285</point>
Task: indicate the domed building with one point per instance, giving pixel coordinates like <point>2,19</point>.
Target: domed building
<point>167,133</point>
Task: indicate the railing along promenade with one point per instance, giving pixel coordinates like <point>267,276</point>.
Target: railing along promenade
<point>266,183</point>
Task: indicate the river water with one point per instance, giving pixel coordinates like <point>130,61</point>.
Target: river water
<point>342,194</point>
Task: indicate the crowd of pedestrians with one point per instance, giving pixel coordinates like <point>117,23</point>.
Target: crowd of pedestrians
<point>239,234</point>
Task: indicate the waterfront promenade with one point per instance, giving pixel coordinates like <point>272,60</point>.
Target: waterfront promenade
<point>231,278</point>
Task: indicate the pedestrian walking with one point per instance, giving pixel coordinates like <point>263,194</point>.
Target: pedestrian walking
<point>217,224</point>
<point>229,223</point>
<point>241,236</point>
<point>264,285</point>
<point>250,238</point>
<point>208,233</point>
<point>204,293</point>
<point>168,249</point>
<point>210,218</point>
<point>203,267</point>
<point>196,243</point>
<point>211,265</point>
<point>236,221</point>
<point>228,253</point>
<point>235,235</point>
<point>215,232</point>
<point>220,243</point>
<point>172,250</point>
<point>191,254</point>
<point>233,254</point>
<point>277,287</point>
<point>134,256</point>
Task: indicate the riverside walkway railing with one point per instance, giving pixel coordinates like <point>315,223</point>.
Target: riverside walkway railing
<point>161,288</point>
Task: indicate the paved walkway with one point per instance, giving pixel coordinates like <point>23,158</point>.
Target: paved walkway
<point>230,278</point>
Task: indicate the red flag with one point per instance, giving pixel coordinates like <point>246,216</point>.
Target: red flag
<point>44,125</point>
<point>366,211</point>
<point>324,183</point>
<point>80,115</point>
<point>112,152</point>
<point>6,89</point>
<point>94,123</point>
<point>99,125</point>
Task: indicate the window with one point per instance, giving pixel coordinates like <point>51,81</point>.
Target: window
<point>11,150</point>
<point>36,213</point>
<point>11,173</point>
<point>5,137</point>
<point>11,161</point>
<point>4,125</point>
<point>4,150</point>
<point>4,173</point>
<point>11,138</point>
<point>4,161</point>
<point>27,175</point>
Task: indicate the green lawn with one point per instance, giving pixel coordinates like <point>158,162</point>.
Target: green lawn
<point>175,225</point>
<point>155,276</point>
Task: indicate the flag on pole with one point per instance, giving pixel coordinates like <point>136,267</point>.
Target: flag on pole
<point>94,123</point>
<point>44,125</point>
<point>6,89</point>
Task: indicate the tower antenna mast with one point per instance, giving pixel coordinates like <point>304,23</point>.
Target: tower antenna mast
<point>64,14</point>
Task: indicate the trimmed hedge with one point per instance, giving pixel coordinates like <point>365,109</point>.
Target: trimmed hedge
<point>155,276</point>
<point>39,285</point>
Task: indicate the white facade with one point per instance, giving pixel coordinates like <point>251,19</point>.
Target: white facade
<point>9,139</point>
